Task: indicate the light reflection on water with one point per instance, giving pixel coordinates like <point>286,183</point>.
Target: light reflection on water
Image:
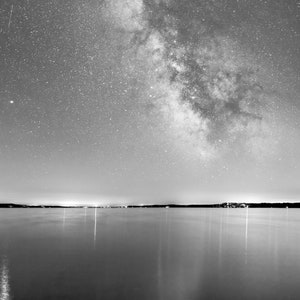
<point>170,254</point>
<point>246,235</point>
<point>95,227</point>
<point>4,280</point>
<point>64,218</point>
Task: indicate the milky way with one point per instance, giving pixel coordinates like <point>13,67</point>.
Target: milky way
<point>202,82</point>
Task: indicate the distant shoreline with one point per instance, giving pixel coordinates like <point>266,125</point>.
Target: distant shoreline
<point>221,205</point>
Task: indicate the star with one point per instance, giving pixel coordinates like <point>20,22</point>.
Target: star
<point>100,92</point>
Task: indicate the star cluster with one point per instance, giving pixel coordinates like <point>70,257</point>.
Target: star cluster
<point>203,81</point>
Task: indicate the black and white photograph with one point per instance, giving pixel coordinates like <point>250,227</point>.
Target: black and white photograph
<point>149,149</point>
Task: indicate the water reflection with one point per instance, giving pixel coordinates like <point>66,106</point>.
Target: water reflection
<point>246,236</point>
<point>4,280</point>
<point>95,227</point>
<point>221,235</point>
<point>209,227</point>
<point>159,264</point>
<point>64,218</point>
<point>170,254</point>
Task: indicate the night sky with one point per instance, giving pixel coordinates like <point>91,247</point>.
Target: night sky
<point>131,101</point>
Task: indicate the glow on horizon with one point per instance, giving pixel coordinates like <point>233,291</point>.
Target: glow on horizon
<point>216,198</point>
<point>65,199</point>
<point>190,198</point>
<point>247,198</point>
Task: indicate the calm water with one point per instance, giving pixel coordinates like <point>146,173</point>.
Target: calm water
<point>149,254</point>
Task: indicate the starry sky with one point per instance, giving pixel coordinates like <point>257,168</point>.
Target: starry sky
<point>130,101</point>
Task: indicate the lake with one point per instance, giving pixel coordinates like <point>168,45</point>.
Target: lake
<point>203,253</point>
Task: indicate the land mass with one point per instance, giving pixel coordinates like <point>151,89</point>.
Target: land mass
<point>219,205</point>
